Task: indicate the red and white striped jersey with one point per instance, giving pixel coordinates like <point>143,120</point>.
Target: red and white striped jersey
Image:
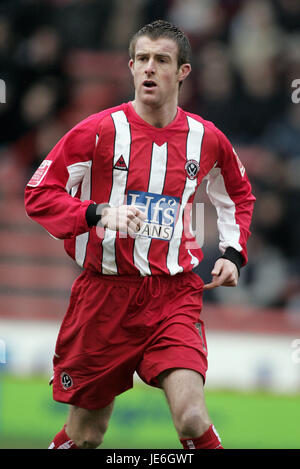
<point>115,157</point>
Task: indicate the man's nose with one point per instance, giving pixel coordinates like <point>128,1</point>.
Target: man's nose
<point>150,68</point>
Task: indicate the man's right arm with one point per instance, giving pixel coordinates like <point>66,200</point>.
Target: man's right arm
<point>58,194</point>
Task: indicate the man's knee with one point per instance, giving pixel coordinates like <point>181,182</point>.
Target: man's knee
<point>185,395</point>
<point>87,428</point>
<point>88,439</point>
<point>192,421</point>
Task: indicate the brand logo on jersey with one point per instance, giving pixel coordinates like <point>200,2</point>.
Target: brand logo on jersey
<point>66,380</point>
<point>120,164</point>
<point>161,212</point>
<point>192,168</point>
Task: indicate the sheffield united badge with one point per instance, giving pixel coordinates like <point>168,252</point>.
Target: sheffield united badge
<point>66,380</point>
<point>192,168</point>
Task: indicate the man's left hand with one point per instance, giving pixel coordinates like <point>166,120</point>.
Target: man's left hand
<point>224,273</point>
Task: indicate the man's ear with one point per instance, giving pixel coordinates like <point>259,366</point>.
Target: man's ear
<point>130,65</point>
<point>184,71</point>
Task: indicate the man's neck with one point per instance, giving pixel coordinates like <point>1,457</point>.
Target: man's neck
<point>156,116</point>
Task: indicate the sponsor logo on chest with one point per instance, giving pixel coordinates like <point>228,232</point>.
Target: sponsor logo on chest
<point>161,212</point>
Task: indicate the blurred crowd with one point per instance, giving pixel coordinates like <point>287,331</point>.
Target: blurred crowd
<point>63,60</point>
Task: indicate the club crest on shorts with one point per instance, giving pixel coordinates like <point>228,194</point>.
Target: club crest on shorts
<point>192,168</point>
<point>66,380</point>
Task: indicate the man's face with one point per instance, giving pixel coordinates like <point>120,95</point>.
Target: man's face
<point>155,71</point>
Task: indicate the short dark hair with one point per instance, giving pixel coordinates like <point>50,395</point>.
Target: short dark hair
<point>161,28</point>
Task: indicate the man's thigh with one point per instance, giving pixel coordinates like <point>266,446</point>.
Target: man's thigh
<point>184,390</point>
<point>180,384</point>
<point>96,419</point>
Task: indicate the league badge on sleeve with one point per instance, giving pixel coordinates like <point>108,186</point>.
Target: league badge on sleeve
<point>40,173</point>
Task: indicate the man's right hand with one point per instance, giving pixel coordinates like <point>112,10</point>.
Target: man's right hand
<point>126,218</point>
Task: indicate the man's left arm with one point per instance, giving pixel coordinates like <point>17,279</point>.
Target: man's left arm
<point>230,191</point>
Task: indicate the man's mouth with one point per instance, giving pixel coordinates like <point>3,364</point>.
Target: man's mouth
<point>149,84</point>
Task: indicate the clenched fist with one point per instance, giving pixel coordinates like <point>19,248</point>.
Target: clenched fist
<point>126,218</point>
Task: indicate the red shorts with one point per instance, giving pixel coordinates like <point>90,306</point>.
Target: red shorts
<point>116,326</point>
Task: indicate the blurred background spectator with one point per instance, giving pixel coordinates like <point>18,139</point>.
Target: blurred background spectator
<point>63,60</point>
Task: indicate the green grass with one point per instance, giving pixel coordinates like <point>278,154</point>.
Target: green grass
<point>29,418</point>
